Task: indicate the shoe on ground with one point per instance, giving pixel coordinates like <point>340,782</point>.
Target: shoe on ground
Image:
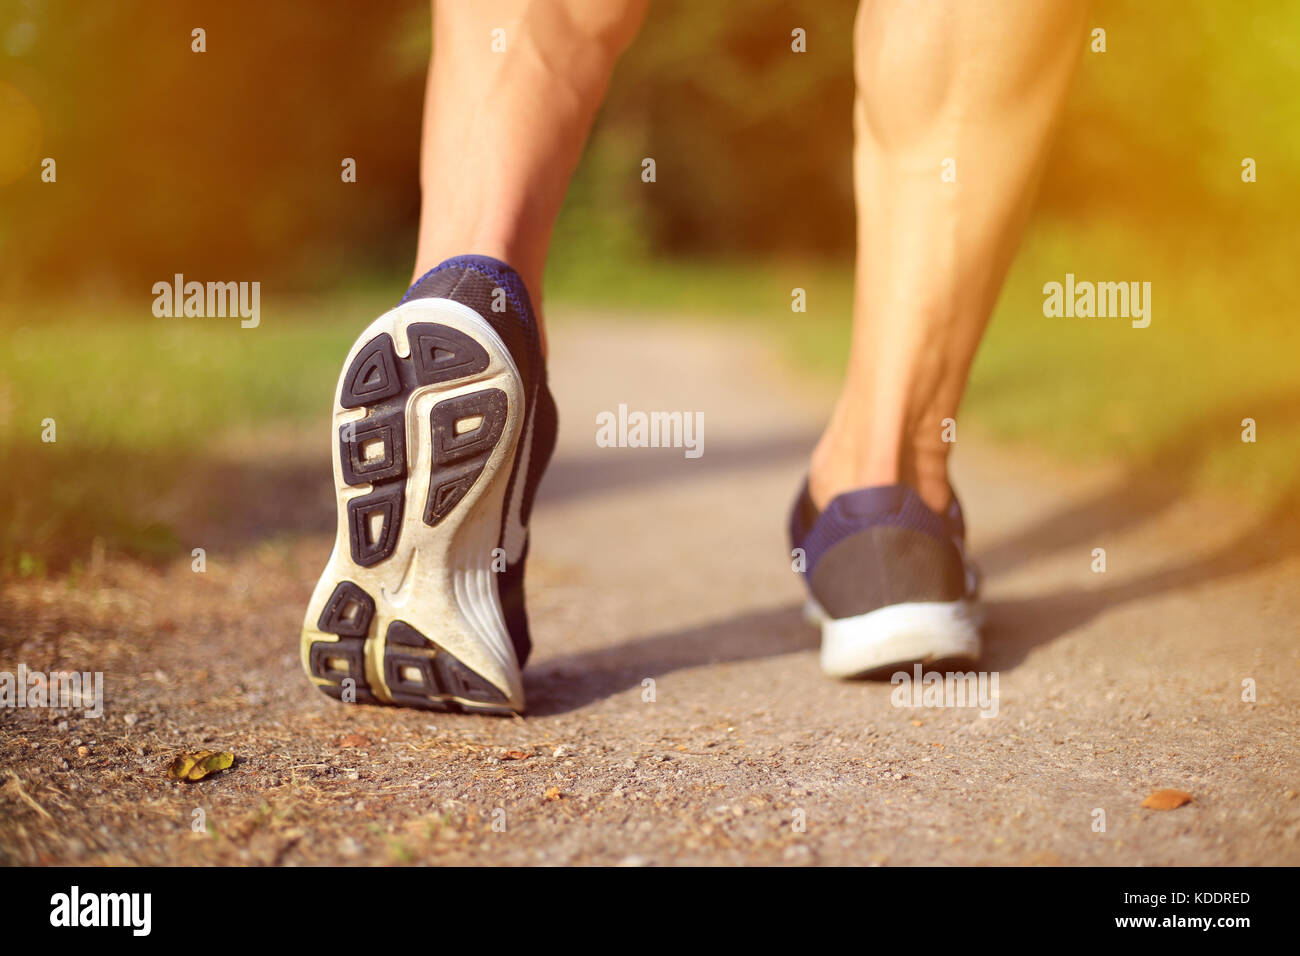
<point>888,579</point>
<point>442,426</point>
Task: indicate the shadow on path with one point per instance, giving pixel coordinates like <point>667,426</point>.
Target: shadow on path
<point>571,682</point>
<point>1017,626</point>
<point>1014,627</point>
<point>1151,485</point>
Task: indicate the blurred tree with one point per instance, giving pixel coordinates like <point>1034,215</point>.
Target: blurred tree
<point>221,164</point>
<point>226,164</point>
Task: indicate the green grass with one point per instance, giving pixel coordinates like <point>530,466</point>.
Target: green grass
<point>110,376</point>
<point>137,403</point>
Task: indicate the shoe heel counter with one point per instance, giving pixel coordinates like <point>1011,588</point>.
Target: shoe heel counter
<point>886,565</point>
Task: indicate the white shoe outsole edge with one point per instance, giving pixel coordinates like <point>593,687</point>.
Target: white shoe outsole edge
<point>897,634</point>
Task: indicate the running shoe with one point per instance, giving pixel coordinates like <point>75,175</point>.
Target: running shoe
<point>443,424</point>
<point>888,580</point>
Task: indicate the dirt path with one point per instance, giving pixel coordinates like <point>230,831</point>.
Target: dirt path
<point>649,566</point>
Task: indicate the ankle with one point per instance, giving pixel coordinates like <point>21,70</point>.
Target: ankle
<point>842,464</point>
<point>927,472</point>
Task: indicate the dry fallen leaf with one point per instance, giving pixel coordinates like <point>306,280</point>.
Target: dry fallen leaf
<point>552,794</point>
<point>515,755</point>
<point>197,764</point>
<point>354,740</point>
<point>1166,799</point>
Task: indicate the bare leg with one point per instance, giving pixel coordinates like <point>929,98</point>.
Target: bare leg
<point>978,82</point>
<point>503,130</point>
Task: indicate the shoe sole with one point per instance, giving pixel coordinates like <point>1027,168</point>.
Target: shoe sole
<point>898,634</point>
<point>427,417</point>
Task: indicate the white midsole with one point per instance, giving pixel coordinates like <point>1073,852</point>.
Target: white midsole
<point>439,579</point>
<point>897,634</point>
